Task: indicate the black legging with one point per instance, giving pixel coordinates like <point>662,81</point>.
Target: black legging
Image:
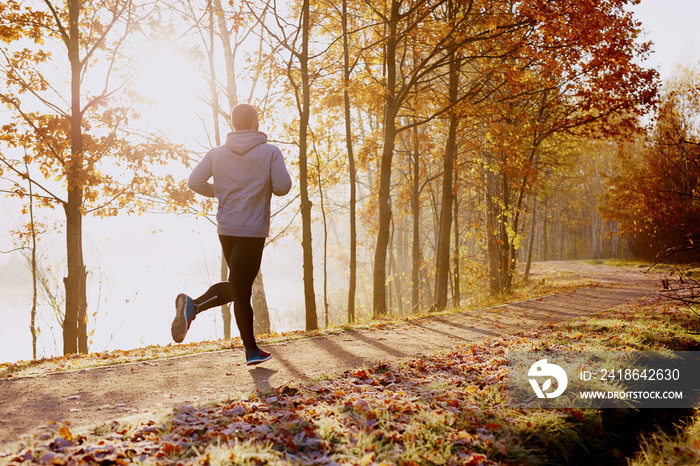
<point>243,256</point>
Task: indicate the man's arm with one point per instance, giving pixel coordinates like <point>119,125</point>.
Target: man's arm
<point>199,179</point>
<point>281,181</point>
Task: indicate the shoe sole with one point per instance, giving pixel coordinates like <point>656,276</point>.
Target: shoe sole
<point>254,362</point>
<point>178,329</point>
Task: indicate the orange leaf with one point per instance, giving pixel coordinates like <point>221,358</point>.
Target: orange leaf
<point>474,459</point>
<point>65,433</point>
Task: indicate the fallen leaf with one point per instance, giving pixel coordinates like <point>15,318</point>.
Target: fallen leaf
<point>65,433</point>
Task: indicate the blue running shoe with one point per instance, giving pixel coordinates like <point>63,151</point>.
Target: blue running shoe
<point>184,315</point>
<point>256,356</point>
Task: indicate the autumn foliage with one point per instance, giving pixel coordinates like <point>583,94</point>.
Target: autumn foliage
<point>655,197</point>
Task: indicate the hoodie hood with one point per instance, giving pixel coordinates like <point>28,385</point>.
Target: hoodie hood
<point>241,142</point>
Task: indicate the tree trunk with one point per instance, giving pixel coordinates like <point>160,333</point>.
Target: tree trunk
<point>404,264</point>
<point>597,227</point>
<point>384,199</point>
<point>415,210</point>
<point>531,239</point>
<point>395,273</point>
<point>352,287</point>
<point>306,242</point>
<point>226,308</point>
<point>229,58</point>
<point>324,218</point>
<point>504,242</point>
<point>75,320</point>
<point>442,263</point>
<point>545,233</point>
<point>32,316</point>
<point>261,313</point>
<point>379,305</point>
<point>456,298</point>
<point>498,243</point>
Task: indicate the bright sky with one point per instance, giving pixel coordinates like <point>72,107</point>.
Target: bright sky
<point>672,25</point>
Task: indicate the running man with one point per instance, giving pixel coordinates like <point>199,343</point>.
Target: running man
<point>246,172</point>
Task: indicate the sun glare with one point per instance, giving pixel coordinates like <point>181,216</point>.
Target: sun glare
<point>170,81</point>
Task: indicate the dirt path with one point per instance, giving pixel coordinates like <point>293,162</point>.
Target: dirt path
<point>92,397</point>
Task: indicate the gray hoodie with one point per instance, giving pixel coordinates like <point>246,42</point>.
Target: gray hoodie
<point>247,171</point>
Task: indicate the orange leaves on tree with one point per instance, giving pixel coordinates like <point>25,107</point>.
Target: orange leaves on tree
<point>654,197</point>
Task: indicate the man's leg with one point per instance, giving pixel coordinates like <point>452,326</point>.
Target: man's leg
<point>244,264</point>
<point>243,256</point>
<point>219,293</point>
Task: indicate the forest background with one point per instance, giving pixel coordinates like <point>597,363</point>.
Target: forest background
<point>518,131</point>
